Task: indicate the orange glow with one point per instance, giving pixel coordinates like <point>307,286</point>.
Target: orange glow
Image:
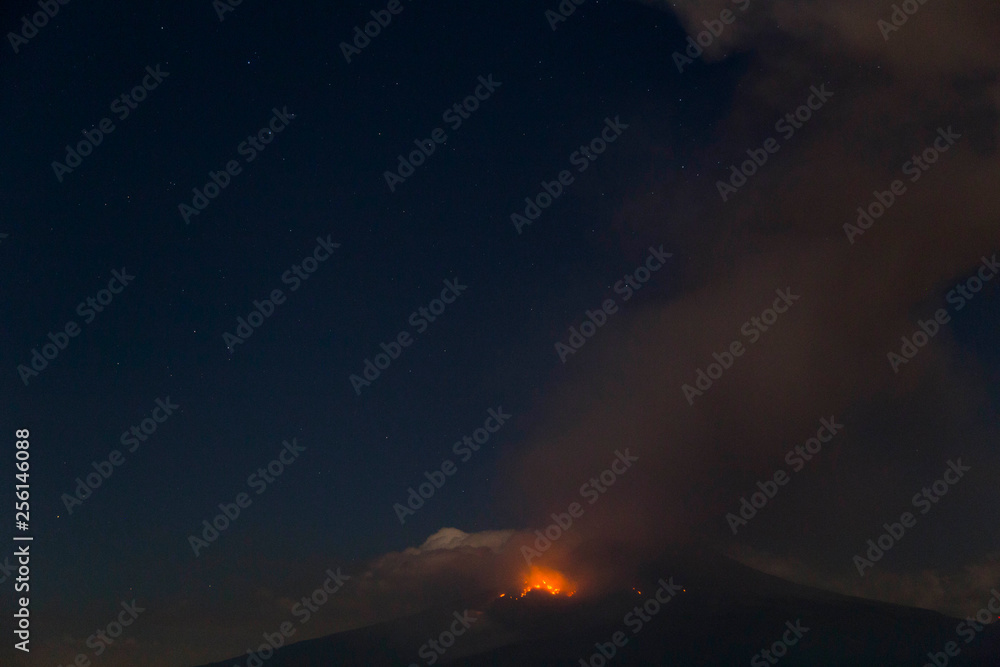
<point>544,579</point>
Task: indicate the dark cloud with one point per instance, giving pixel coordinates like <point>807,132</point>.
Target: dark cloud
<point>827,355</point>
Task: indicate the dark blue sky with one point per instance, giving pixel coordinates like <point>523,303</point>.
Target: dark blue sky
<point>322,177</point>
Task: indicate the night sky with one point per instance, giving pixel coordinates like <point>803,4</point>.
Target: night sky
<point>464,304</point>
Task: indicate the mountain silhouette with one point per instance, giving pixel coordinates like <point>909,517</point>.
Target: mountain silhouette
<point>718,612</point>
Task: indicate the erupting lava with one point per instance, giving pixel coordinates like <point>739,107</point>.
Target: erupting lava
<point>550,581</point>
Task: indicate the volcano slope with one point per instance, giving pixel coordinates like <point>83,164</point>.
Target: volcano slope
<point>717,612</point>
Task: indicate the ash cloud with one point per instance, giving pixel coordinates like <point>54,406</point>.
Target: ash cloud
<point>827,355</point>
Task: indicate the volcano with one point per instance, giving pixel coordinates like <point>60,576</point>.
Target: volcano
<point>685,608</point>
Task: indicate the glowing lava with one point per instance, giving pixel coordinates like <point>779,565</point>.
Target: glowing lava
<point>550,581</point>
